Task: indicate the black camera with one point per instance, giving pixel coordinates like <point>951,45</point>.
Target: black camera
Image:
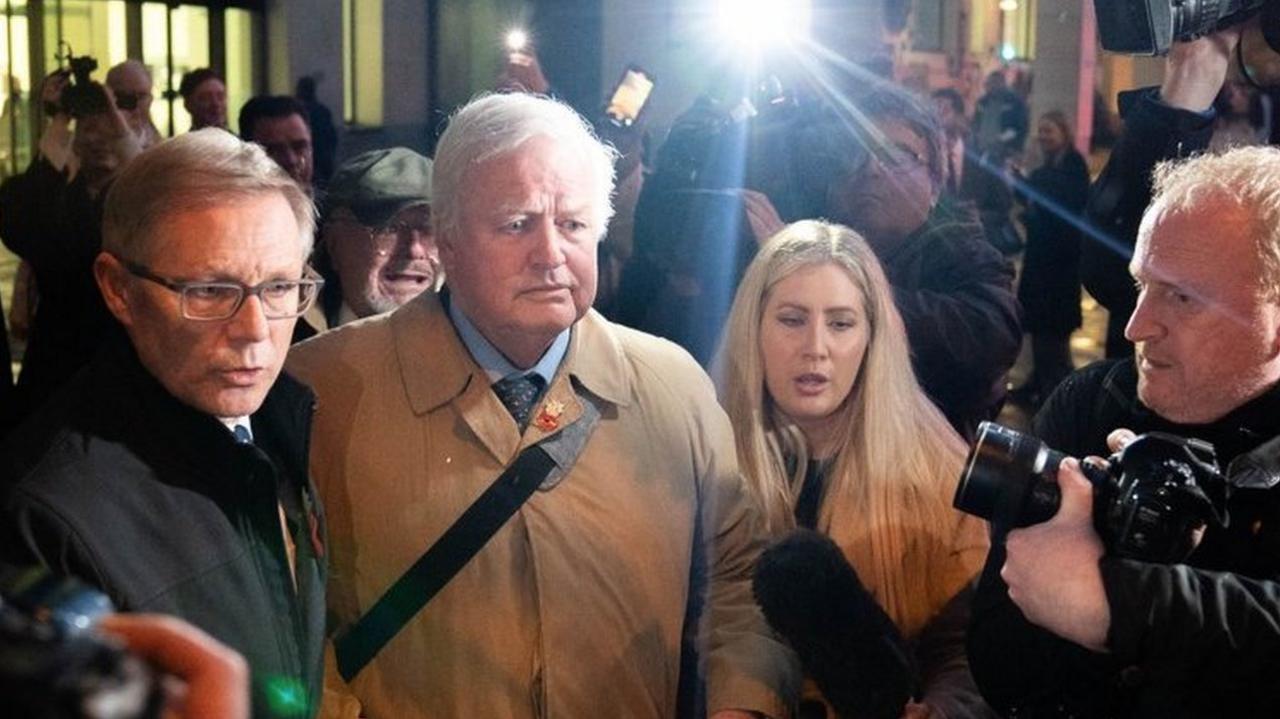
<point>82,96</point>
<point>53,666</point>
<point>1149,27</point>
<point>1149,499</point>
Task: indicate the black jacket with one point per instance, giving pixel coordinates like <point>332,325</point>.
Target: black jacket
<point>1199,639</point>
<point>118,483</point>
<point>1153,131</point>
<point>955,294</point>
<point>1049,288</point>
<point>56,227</point>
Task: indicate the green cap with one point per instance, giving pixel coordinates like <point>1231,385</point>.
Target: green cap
<point>377,184</point>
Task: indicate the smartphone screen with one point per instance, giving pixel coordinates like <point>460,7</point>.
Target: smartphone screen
<point>630,96</point>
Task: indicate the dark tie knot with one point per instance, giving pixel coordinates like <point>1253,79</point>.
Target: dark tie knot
<point>242,435</point>
<point>519,393</point>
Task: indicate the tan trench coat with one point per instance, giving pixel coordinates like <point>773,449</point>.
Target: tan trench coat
<point>575,607</point>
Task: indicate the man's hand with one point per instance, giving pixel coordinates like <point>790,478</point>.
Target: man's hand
<point>1119,439</point>
<point>51,93</point>
<point>216,678</point>
<point>523,73</point>
<point>55,140</point>
<point>1052,568</point>
<point>1194,71</point>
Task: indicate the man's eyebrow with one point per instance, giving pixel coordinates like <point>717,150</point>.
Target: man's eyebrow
<point>510,208</point>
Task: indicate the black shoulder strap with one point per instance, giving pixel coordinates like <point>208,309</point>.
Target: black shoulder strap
<point>357,646</point>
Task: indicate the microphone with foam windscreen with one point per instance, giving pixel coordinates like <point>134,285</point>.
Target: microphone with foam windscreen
<point>846,643</point>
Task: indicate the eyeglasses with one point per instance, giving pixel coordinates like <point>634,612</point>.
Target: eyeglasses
<point>385,238</point>
<point>213,301</point>
<point>403,227</point>
<point>898,157</point>
<point>131,100</point>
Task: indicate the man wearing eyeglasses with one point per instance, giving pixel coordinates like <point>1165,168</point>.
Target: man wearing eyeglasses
<point>953,289</point>
<point>377,236</point>
<point>172,471</point>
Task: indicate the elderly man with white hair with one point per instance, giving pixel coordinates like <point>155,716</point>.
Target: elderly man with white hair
<point>531,508</point>
<point>171,472</point>
<point>131,89</point>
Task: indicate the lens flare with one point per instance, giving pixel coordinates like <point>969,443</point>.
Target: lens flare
<point>517,40</point>
<point>760,24</point>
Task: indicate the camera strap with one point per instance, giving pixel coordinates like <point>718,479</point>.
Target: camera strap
<point>540,465</point>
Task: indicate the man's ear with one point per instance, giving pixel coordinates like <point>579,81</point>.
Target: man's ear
<point>112,278</point>
<point>1272,323</point>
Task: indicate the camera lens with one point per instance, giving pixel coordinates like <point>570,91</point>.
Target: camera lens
<point>1008,478</point>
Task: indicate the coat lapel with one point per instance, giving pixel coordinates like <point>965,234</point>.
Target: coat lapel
<point>436,370</point>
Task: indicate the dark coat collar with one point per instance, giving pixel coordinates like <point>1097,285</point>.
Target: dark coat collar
<point>1239,431</point>
<point>133,408</point>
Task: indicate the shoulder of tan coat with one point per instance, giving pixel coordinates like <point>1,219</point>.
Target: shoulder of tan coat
<point>310,360</point>
<point>652,362</point>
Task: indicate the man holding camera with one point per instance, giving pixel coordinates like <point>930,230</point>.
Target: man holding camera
<point>1174,120</point>
<point>50,216</point>
<point>1062,628</point>
<point>953,289</point>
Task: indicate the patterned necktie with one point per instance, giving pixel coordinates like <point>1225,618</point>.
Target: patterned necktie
<point>242,435</point>
<point>518,394</point>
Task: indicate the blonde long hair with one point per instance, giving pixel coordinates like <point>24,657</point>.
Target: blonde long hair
<point>887,497</point>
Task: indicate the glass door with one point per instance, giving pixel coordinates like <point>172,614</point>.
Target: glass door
<point>15,88</point>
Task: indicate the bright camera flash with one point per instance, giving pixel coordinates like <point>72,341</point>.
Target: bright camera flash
<point>763,23</point>
<point>517,40</point>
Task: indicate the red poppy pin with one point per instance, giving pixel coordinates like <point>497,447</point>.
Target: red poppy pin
<point>548,418</point>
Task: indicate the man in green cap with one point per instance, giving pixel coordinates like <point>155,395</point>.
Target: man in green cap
<point>376,235</point>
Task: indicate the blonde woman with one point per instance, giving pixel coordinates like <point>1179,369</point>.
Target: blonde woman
<point>834,433</point>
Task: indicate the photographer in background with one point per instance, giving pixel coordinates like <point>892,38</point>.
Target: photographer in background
<point>1174,120</point>
<point>51,216</point>
<point>1059,629</point>
<point>954,290</point>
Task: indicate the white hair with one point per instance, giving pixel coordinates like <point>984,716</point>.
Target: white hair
<point>128,66</point>
<point>198,170</point>
<point>1246,179</point>
<point>493,125</point>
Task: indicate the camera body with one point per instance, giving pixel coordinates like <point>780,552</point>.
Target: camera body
<point>81,96</point>
<point>1150,499</point>
<point>771,138</point>
<point>52,665</point>
<point>1149,27</point>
